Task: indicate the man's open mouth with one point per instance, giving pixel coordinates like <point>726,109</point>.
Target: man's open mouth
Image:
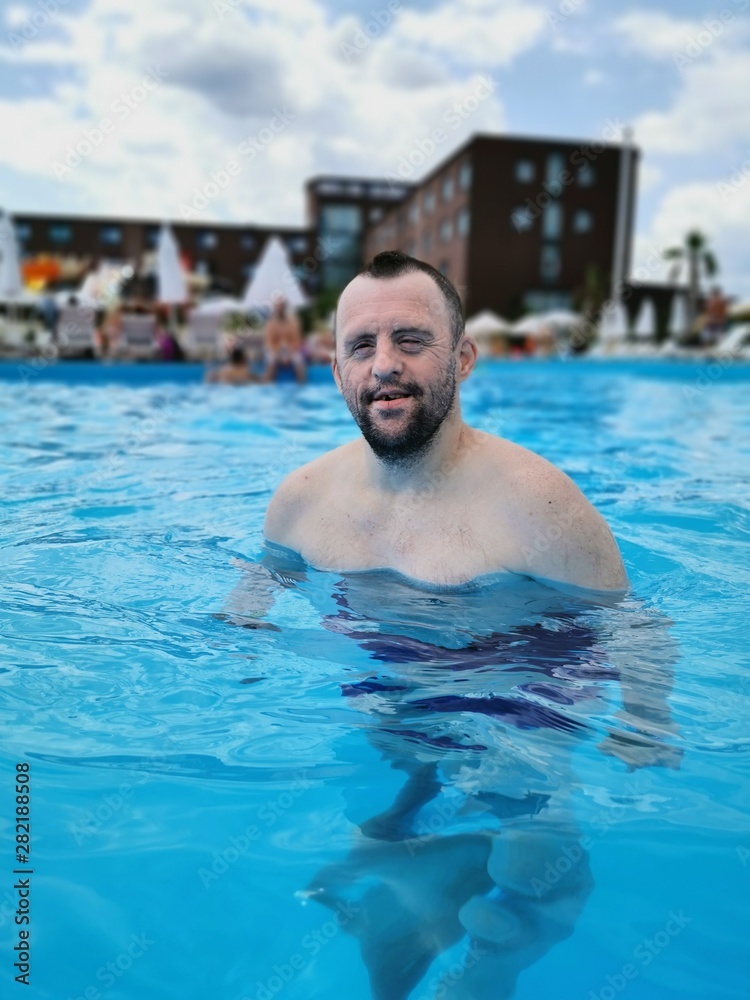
<point>390,395</point>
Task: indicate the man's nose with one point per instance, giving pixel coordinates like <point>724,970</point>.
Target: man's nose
<point>386,360</point>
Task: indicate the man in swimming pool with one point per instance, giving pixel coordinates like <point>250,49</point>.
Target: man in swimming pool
<point>421,492</point>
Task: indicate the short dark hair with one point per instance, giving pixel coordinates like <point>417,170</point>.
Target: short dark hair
<point>393,263</point>
<point>237,355</point>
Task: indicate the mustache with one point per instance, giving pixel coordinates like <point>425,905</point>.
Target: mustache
<point>409,388</point>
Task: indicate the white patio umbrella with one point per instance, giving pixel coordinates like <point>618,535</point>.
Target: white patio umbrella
<point>11,283</point>
<point>562,318</point>
<point>534,325</point>
<point>170,276</point>
<point>273,279</point>
<point>614,323</point>
<point>678,315</point>
<point>645,325</point>
<point>220,306</point>
<point>487,323</point>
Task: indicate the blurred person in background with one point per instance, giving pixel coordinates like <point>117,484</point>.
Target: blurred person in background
<point>235,372</point>
<point>283,343</point>
<point>716,318</point>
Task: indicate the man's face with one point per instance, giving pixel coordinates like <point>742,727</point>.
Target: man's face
<point>394,362</point>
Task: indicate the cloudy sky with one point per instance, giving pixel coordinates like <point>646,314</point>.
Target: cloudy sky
<point>292,88</point>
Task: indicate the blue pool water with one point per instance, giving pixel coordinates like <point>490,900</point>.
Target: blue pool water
<point>385,791</point>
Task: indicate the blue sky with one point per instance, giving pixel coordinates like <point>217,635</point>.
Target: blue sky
<point>306,87</point>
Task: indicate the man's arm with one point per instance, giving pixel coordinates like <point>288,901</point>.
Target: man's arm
<point>283,516</point>
<point>563,539</point>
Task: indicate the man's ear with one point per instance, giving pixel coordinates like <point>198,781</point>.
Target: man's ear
<point>467,357</point>
<point>336,375</point>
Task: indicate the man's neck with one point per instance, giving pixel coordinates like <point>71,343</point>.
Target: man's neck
<point>426,470</point>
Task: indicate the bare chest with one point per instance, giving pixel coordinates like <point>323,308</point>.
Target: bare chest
<point>439,542</point>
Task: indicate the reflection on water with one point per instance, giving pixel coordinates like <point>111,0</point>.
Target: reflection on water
<point>480,856</point>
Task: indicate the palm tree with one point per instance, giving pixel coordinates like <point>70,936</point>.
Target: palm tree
<point>698,259</point>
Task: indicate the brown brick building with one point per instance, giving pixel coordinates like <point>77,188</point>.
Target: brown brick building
<point>517,223</point>
<point>225,252</point>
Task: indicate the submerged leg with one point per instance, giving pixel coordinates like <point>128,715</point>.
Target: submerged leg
<point>405,899</point>
<point>544,878</point>
<point>397,822</point>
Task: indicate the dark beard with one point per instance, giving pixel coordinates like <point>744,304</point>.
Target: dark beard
<point>430,408</point>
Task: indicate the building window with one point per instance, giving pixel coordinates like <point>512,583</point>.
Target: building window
<point>463,222</point>
<point>110,236</point>
<point>464,176</point>
<point>538,301</point>
<point>341,218</point>
<point>23,231</point>
<point>426,241</point>
<point>446,230</point>
<point>444,264</point>
<point>329,187</point>
<point>521,219</point>
<point>376,214</point>
<point>555,170</point>
<point>248,270</point>
<point>60,234</point>
<point>338,274</point>
<point>414,213</point>
<point>586,176</point>
<point>525,171</point>
<point>551,264</point>
<point>389,191</point>
<point>152,237</point>
<point>411,249</point>
<point>583,222</point>
<point>248,242</point>
<point>297,244</point>
<point>206,240</point>
<point>448,188</point>
<point>202,267</point>
<point>429,201</point>
<point>552,221</point>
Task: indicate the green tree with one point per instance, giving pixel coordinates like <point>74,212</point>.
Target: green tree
<point>699,260</point>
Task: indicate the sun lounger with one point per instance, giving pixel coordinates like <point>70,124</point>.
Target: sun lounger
<point>76,330</point>
<point>736,343</point>
<point>202,338</point>
<point>137,338</point>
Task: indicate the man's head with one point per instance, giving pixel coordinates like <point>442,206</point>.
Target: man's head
<point>394,264</point>
<point>279,306</point>
<point>399,333</point>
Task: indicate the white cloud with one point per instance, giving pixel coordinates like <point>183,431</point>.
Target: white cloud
<point>649,176</point>
<point>655,34</point>
<point>719,210</point>
<point>595,78</point>
<point>481,32</point>
<point>16,14</point>
<point>227,70</point>
<point>710,112</point>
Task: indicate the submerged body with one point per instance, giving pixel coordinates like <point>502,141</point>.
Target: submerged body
<point>447,681</point>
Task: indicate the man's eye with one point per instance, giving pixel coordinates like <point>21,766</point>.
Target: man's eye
<point>411,342</point>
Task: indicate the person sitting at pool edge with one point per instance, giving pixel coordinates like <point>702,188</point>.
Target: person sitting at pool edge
<point>283,343</point>
<point>422,492</point>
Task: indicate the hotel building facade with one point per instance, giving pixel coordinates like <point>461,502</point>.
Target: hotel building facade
<point>517,224</point>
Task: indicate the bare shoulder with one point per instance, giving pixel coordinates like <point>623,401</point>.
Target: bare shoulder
<point>561,535</point>
<point>300,494</point>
